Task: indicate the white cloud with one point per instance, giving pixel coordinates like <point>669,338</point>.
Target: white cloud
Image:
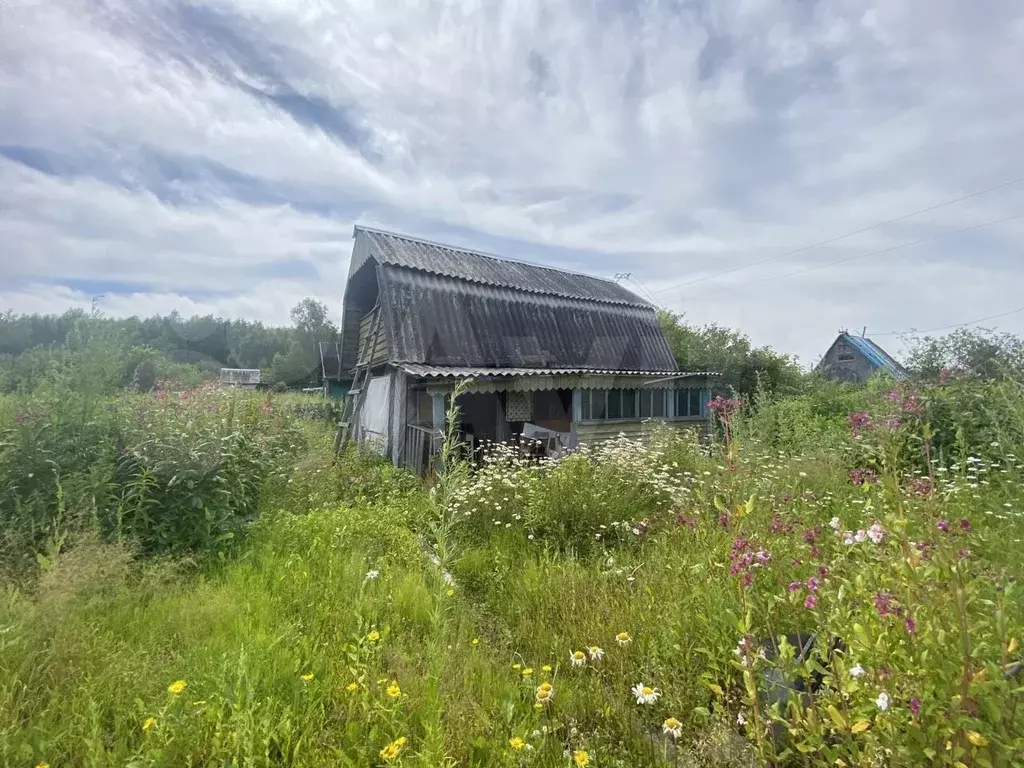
<point>224,148</point>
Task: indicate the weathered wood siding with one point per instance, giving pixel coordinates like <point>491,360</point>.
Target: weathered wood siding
<point>379,349</point>
<point>595,431</point>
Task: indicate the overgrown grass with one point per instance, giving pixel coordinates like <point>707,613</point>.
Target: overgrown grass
<point>666,564</point>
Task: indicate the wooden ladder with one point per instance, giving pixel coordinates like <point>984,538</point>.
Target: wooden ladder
<point>360,383</point>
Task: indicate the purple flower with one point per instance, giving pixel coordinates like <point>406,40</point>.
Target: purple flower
<point>884,604</point>
<point>723,520</point>
<point>921,486</point>
<point>812,584</point>
<point>915,706</point>
<point>876,533</point>
<point>811,534</point>
<point>810,602</point>
<point>822,571</point>
<point>893,423</point>
<point>910,624</point>
<point>794,586</point>
<point>943,525</point>
<point>724,406</point>
<point>965,526</point>
<point>858,421</point>
<point>862,476</point>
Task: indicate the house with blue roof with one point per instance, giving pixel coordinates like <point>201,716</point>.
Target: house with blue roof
<point>856,359</point>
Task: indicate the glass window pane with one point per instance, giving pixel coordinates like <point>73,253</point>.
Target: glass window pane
<point>614,404</point>
<point>695,402</point>
<point>645,403</point>
<point>658,403</point>
<point>597,404</point>
<point>585,404</point>
<point>682,403</point>
<point>629,403</point>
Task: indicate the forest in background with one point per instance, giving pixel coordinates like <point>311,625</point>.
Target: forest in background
<point>136,352</point>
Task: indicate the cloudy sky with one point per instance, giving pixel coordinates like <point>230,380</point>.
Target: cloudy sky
<point>212,156</point>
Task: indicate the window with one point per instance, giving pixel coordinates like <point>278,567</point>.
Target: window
<point>844,354</point>
<point>652,403</point>
<point>610,404</point>
<point>690,403</point>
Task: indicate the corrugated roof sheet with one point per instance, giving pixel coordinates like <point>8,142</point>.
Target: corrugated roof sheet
<point>474,267</point>
<point>461,372</point>
<point>440,320</point>
<point>878,356</point>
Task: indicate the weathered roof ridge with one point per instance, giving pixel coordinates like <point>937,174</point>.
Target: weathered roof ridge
<point>624,297</point>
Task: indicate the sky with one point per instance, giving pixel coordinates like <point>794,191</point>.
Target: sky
<point>213,156</point>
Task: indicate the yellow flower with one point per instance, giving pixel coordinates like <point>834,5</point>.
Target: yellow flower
<point>546,668</point>
<point>307,677</point>
<point>476,641</point>
<point>401,741</point>
<point>527,671</point>
<point>390,752</point>
<point>516,743</point>
<point>1012,647</point>
<point>578,658</point>
<point>374,636</point>
<point>177,687</point>
<point>623,639</point>
<point>672,727</point>
<point>977,739</point>
<point>352,687</point>
<point>393,690</point>
<point>451,593</point>
<point>517,666</point>
<point>150,722</point>
<point>43,764</point>
<point>545,693</point>
<point>581,758</point>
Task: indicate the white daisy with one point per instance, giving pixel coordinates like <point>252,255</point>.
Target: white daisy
<point>577,658</point>
<point>882,701</point>
<point>596,654</point>
<point>644,694</point>
<point>857,671</point>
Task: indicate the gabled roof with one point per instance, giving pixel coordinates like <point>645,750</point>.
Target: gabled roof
<point>877,356</point>
<point>444,306</point>
<point>485,269</point>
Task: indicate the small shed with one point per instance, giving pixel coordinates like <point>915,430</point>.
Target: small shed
<point>856,359</point>
<point>246,378</point>
<point>554,356</point>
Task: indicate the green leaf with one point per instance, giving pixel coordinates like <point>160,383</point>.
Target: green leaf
<point>806,748</point>
<point>837,717</point>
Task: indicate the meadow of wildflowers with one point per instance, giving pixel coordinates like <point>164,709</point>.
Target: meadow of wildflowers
<point>832,582</point>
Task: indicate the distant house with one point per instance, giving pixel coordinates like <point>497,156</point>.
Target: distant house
<point>857,358</point>
<point>554,356</point>
<point>248,378</point>
<point>336,382</point>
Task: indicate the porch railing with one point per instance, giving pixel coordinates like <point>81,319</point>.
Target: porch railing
<point>418,448</point>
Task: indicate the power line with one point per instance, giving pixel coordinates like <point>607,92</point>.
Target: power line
<point>820,243</point>
<point>951,327</point>
<point>832,263</point>
<point>628,277</point>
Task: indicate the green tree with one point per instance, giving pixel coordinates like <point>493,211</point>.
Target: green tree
<point>976,351</point>
<point>743,367</point>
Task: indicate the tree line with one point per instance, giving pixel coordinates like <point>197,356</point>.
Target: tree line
<point>138,352</point>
